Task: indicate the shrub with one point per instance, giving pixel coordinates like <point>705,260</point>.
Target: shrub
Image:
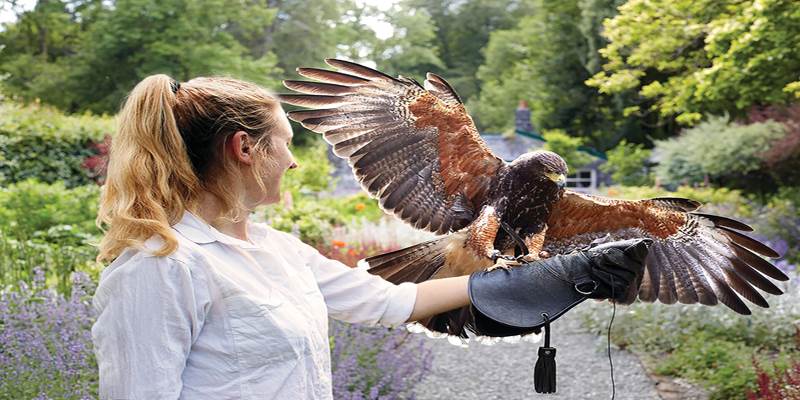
<point>30,206</point>
<point>313,174</point>
<point>46,341</point>
<point>725,152</point>
<point>780,385</point>
<point>40,142</point>
<point>627,164</point>
<point>723,365</point>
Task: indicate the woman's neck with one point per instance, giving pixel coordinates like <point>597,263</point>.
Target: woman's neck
<point>209,209</point>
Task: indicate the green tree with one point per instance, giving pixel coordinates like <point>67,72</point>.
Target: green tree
<point>445,37</point>
<point>302,35</point>
<point>545,60</point>
<point>683,59</point>
<point>34,47</point>
<point>412,50</point>
<point>181,38</point>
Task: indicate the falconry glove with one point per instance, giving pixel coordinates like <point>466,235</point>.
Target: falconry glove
<point>525,299</point>
<point>509,302</point>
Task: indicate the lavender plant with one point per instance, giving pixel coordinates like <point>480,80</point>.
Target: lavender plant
<point>376,363</point>
<point>45,341</point>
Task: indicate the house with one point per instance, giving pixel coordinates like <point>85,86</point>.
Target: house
<point>507,147</point>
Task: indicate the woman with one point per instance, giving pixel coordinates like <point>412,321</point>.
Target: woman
<point>198,302</point>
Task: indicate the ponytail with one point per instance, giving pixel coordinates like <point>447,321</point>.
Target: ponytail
<point>150,180</point>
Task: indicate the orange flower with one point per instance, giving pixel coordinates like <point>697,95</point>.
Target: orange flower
<point>360,207</point>
<point>338,243</point>
<point>351,252</point>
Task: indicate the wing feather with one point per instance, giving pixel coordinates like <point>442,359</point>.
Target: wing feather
<point>695,258</point>
<point>412,146</point>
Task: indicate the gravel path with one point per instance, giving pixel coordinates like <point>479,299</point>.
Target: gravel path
<point>505,370</point>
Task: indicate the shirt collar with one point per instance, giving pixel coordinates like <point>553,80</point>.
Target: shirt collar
<point>197,230</point>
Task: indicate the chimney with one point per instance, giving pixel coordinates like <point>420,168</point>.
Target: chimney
<point>522,117</point>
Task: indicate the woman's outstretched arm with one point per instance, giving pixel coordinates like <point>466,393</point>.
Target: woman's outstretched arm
<point>439,295</point>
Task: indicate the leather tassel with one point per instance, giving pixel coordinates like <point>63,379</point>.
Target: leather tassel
<point>544,373</point>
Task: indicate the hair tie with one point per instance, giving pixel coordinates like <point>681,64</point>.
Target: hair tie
<point>175,85</point>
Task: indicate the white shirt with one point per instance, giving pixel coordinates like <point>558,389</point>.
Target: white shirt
<point>222,318</point>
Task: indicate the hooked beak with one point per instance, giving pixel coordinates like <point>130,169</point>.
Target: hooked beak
<point>559,179</point>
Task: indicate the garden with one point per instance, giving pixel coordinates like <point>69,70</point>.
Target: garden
<point>696,99</point>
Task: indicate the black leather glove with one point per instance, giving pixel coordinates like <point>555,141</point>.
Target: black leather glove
<point>522,299</point>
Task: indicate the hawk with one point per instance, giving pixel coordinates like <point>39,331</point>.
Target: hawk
<point>415,148</point>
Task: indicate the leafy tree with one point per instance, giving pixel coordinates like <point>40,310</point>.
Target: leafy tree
<point>302,35</point>
<point>412,50</point>
<point>545,60</point>
<point>445,37</point>
<point>683,59</point>
<point>627,164</point>
<point>181,38</point>
<point>87,54</point>
<point>32,48</point>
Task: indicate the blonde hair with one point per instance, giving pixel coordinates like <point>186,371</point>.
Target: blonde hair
<point>170,147</point>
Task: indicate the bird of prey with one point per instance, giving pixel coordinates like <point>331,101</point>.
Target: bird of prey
<point>416,149</point>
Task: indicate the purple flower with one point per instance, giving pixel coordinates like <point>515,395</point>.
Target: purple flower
<point>45,341</point>
<point>376,363</point>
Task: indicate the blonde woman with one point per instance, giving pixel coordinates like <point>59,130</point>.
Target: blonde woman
<point>198,302</point>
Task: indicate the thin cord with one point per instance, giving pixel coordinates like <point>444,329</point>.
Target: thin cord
<point>610,362</point>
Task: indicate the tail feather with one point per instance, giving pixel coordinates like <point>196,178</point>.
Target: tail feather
<point>419,263</point>
<point>454,322</point>
<point>416,263</point>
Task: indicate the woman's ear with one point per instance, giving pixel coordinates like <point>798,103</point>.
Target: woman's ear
<point>241,147</point>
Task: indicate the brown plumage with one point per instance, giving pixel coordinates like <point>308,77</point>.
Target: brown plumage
<point>415,148</point>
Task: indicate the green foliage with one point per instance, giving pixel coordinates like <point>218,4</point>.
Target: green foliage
<point>355,208</point>
<point>313,172</point>
<point>442,36</point>
<point>30,206</point>
<point>412,49</point>
<point>687,58</point>
<point>728,153</point>
<point>130,39</point>
<point>627,164</point>
<point>306,213</point>
<point>722,365</point>
<point>87,54</point>
<point>50,227</point>
<point>710,345</point>
<point>545,60</point>
<point>567,146</point>
<point>42,143</point>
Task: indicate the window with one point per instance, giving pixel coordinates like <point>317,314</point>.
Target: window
<point>585,179</point>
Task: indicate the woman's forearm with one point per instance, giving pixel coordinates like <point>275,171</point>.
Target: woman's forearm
<point>439,295</point>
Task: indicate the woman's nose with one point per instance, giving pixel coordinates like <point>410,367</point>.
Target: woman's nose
<point>293,165</point>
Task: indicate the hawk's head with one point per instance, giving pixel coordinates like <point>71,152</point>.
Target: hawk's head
<point>542,165</point>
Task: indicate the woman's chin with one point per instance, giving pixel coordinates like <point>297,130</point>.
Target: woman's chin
<point>272,198</point>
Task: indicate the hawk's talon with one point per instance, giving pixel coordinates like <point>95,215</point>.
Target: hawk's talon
<point>496,254</point>
<point>505,263</point>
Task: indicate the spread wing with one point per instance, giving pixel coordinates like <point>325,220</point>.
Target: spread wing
<point>415,148</point>
<point>696,257</point>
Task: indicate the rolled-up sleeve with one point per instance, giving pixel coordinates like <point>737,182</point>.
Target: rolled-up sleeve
<point>355,295</point>
<point>150,311</point>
